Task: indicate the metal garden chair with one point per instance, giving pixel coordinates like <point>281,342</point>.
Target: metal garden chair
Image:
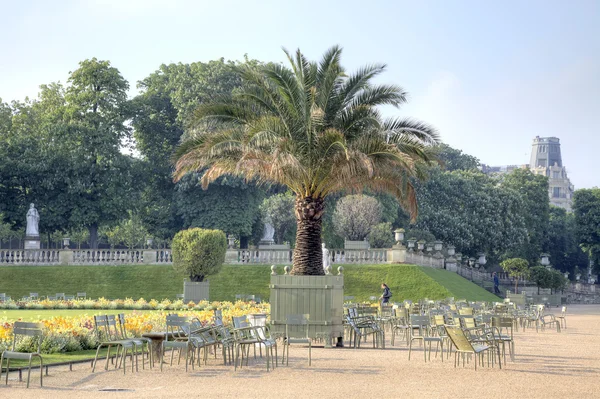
<point>506,334</point>
<point>463,346</point>
<point>420,330</point>
<point>247,335</point>
<point>177,339</point>
<point>20,330</point>
<point>563,317</point>
<point>297,323</point>
<point>108,335</point>
<point>138,341</point>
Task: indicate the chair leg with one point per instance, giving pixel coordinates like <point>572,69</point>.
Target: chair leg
<point>41,372</point>
<point>309,353</point>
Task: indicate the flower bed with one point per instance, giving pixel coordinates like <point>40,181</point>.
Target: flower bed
<point>67,334</point>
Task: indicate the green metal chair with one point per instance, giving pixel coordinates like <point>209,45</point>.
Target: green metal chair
<point>506,334</point>
<point>138,341</point>
<point>246,335</point>
<point>400,324</point>
<point>20,330</point>
<point>108,335</point>
<point>463,346</point>
<point>420,330</point>
<point>297,324</point>
<point>177,339</point>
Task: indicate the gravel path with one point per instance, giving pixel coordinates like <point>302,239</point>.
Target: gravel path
<point>548,365</point>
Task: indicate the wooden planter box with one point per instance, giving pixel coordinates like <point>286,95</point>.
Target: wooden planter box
<point>195,291</point>
<point>322,297</point>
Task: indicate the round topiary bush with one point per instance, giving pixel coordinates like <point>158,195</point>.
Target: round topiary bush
<point>199,253</point>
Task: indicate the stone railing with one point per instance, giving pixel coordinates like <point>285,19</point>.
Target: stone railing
<point>30,257</point>
<point>84,257</point>
<point>284,256</point>
<point>415,258</point>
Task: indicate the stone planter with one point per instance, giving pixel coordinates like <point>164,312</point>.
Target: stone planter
<point>195,291</point>
<point>322,297</point>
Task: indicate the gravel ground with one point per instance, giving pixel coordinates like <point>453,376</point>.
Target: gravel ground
<point>548,365</point>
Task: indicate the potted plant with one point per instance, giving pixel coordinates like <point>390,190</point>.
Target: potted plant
<point>197,254</point>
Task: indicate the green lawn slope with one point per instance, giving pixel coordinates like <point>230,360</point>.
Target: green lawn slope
<point>459,286</point>
<point>159,282</point>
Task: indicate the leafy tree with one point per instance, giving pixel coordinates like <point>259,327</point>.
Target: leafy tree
<point>541,276</point>
<point>231,206</point>
<point>453,159</point>
<point>168,97</point>
<point>471,212</point>
<point>381,236</point>
<point>535,209</point>
<point>516,268</point>
<point>199,253</point>
<point>315,129</point>
<point>586,206</point>
<point>563,247</point>
<point>79,236</point>
<point>278,209</point>
<point>5,230</point>
<point>355,215</point>
<point>97,108</point>
<point>130,232</point>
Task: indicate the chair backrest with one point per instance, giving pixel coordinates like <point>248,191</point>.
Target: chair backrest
<point>177,326</point>
<point>563,311</point>
<point>352,312</point>
<point>502,322</point>
<point>60,295</point>
<point>438,320</point>
<point>467,321</point>
<point>81,295</point>
<point>240,322</point>
<point>218,317</point>
<point>24,329</point>
<point>421,323</point>
<point>122,329</point>
<point>459,339</point>
<point>367,311</point>
<point>465,311</point>
<point>33,295</point>
<point>101,328</point>
<point>385,310</point>
<point>298,323</point>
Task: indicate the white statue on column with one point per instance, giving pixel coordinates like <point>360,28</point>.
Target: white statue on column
<point>33,219</point>
<point>326,260</point>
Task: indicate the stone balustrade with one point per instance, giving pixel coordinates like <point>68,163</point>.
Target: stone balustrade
<point>30,257</point>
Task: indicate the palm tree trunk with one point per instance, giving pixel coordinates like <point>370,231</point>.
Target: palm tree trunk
<point>308,254</point>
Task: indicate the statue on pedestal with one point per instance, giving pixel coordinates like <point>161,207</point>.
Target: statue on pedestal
<point>33,219</point>
<point>32,232</point>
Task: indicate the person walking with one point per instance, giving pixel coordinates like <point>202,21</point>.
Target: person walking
<point>387,294</point>
<point>496,283</point>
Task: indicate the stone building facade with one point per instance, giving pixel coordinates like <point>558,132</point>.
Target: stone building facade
<point>546,160</point>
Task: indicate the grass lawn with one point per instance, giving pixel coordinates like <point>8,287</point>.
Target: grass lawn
<point>160,282</point>
<point>458,286</point>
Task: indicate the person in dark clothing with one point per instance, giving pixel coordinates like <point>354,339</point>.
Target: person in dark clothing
<point>387,294</point>
<point>496,283</point>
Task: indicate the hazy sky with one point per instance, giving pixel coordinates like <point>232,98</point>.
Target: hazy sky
<point>490,75</point>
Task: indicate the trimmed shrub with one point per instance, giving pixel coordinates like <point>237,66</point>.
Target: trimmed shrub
<point>199,253</point>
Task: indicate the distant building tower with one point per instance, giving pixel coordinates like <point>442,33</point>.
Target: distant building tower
<point>546,160</point>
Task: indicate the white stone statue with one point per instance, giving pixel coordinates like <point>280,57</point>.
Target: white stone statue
<point>268,234</point>
<point>33,219</point>
<point>326,259</point>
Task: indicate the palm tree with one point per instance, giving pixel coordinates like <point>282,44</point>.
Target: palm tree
<point>315,129</point>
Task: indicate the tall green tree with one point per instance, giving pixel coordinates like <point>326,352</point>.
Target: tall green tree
<point>97,111</point>
<point>161,112</point>
<point>586,206</point>
<point>563,247</point>
<point>536,211</point>
<point>315,129</point>
<point>453,159</point>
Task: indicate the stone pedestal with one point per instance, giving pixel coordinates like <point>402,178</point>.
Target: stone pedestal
<point>396,255</point>
<point>32,242</point>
